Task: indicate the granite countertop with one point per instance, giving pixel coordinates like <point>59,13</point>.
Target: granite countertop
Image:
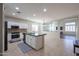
<point>36,34</point>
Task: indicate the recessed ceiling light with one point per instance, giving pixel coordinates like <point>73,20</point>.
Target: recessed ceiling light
<point>13,13</point>
<point>44,9</point>
<point>34,14</point>
<point>17,8</point>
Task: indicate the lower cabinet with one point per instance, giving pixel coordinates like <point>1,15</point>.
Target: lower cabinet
<point>35,42</point>
<point>28,40</point>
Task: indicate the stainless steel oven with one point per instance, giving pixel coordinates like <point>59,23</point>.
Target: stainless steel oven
<point>15,34</point>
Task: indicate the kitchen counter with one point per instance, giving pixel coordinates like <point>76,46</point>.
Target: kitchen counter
<point>35,34</point>
<point>35,40</point>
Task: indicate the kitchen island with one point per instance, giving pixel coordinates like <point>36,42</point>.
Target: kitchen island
<point>35,40</point>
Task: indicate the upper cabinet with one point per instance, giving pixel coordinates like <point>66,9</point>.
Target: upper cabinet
<point>21,25</point>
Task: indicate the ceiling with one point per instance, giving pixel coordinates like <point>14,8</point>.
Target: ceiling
<point>54,11</point>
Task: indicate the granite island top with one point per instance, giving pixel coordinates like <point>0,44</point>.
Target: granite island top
<point>36,34</point>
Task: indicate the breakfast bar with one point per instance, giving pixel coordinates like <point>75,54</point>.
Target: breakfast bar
<point>35,40</point>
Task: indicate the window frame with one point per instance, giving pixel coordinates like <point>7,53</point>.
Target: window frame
<point>70,27</point>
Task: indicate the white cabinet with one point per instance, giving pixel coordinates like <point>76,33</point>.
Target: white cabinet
<point>35,42</point>
<point>28,39</point>
<point>9,36</point>
<point>23,26</point>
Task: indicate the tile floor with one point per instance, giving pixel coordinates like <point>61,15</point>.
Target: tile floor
<point>64,48</point>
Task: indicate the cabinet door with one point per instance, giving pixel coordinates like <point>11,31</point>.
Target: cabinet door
<point>33,42</point>
<point>28,39</point>
<point>9,36</point>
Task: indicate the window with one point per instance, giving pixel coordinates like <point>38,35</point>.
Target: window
<point>70,27</point>
<point>52,27</point>
<point>35,27</point>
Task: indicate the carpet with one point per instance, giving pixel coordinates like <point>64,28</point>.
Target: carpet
<point>24,47</point>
